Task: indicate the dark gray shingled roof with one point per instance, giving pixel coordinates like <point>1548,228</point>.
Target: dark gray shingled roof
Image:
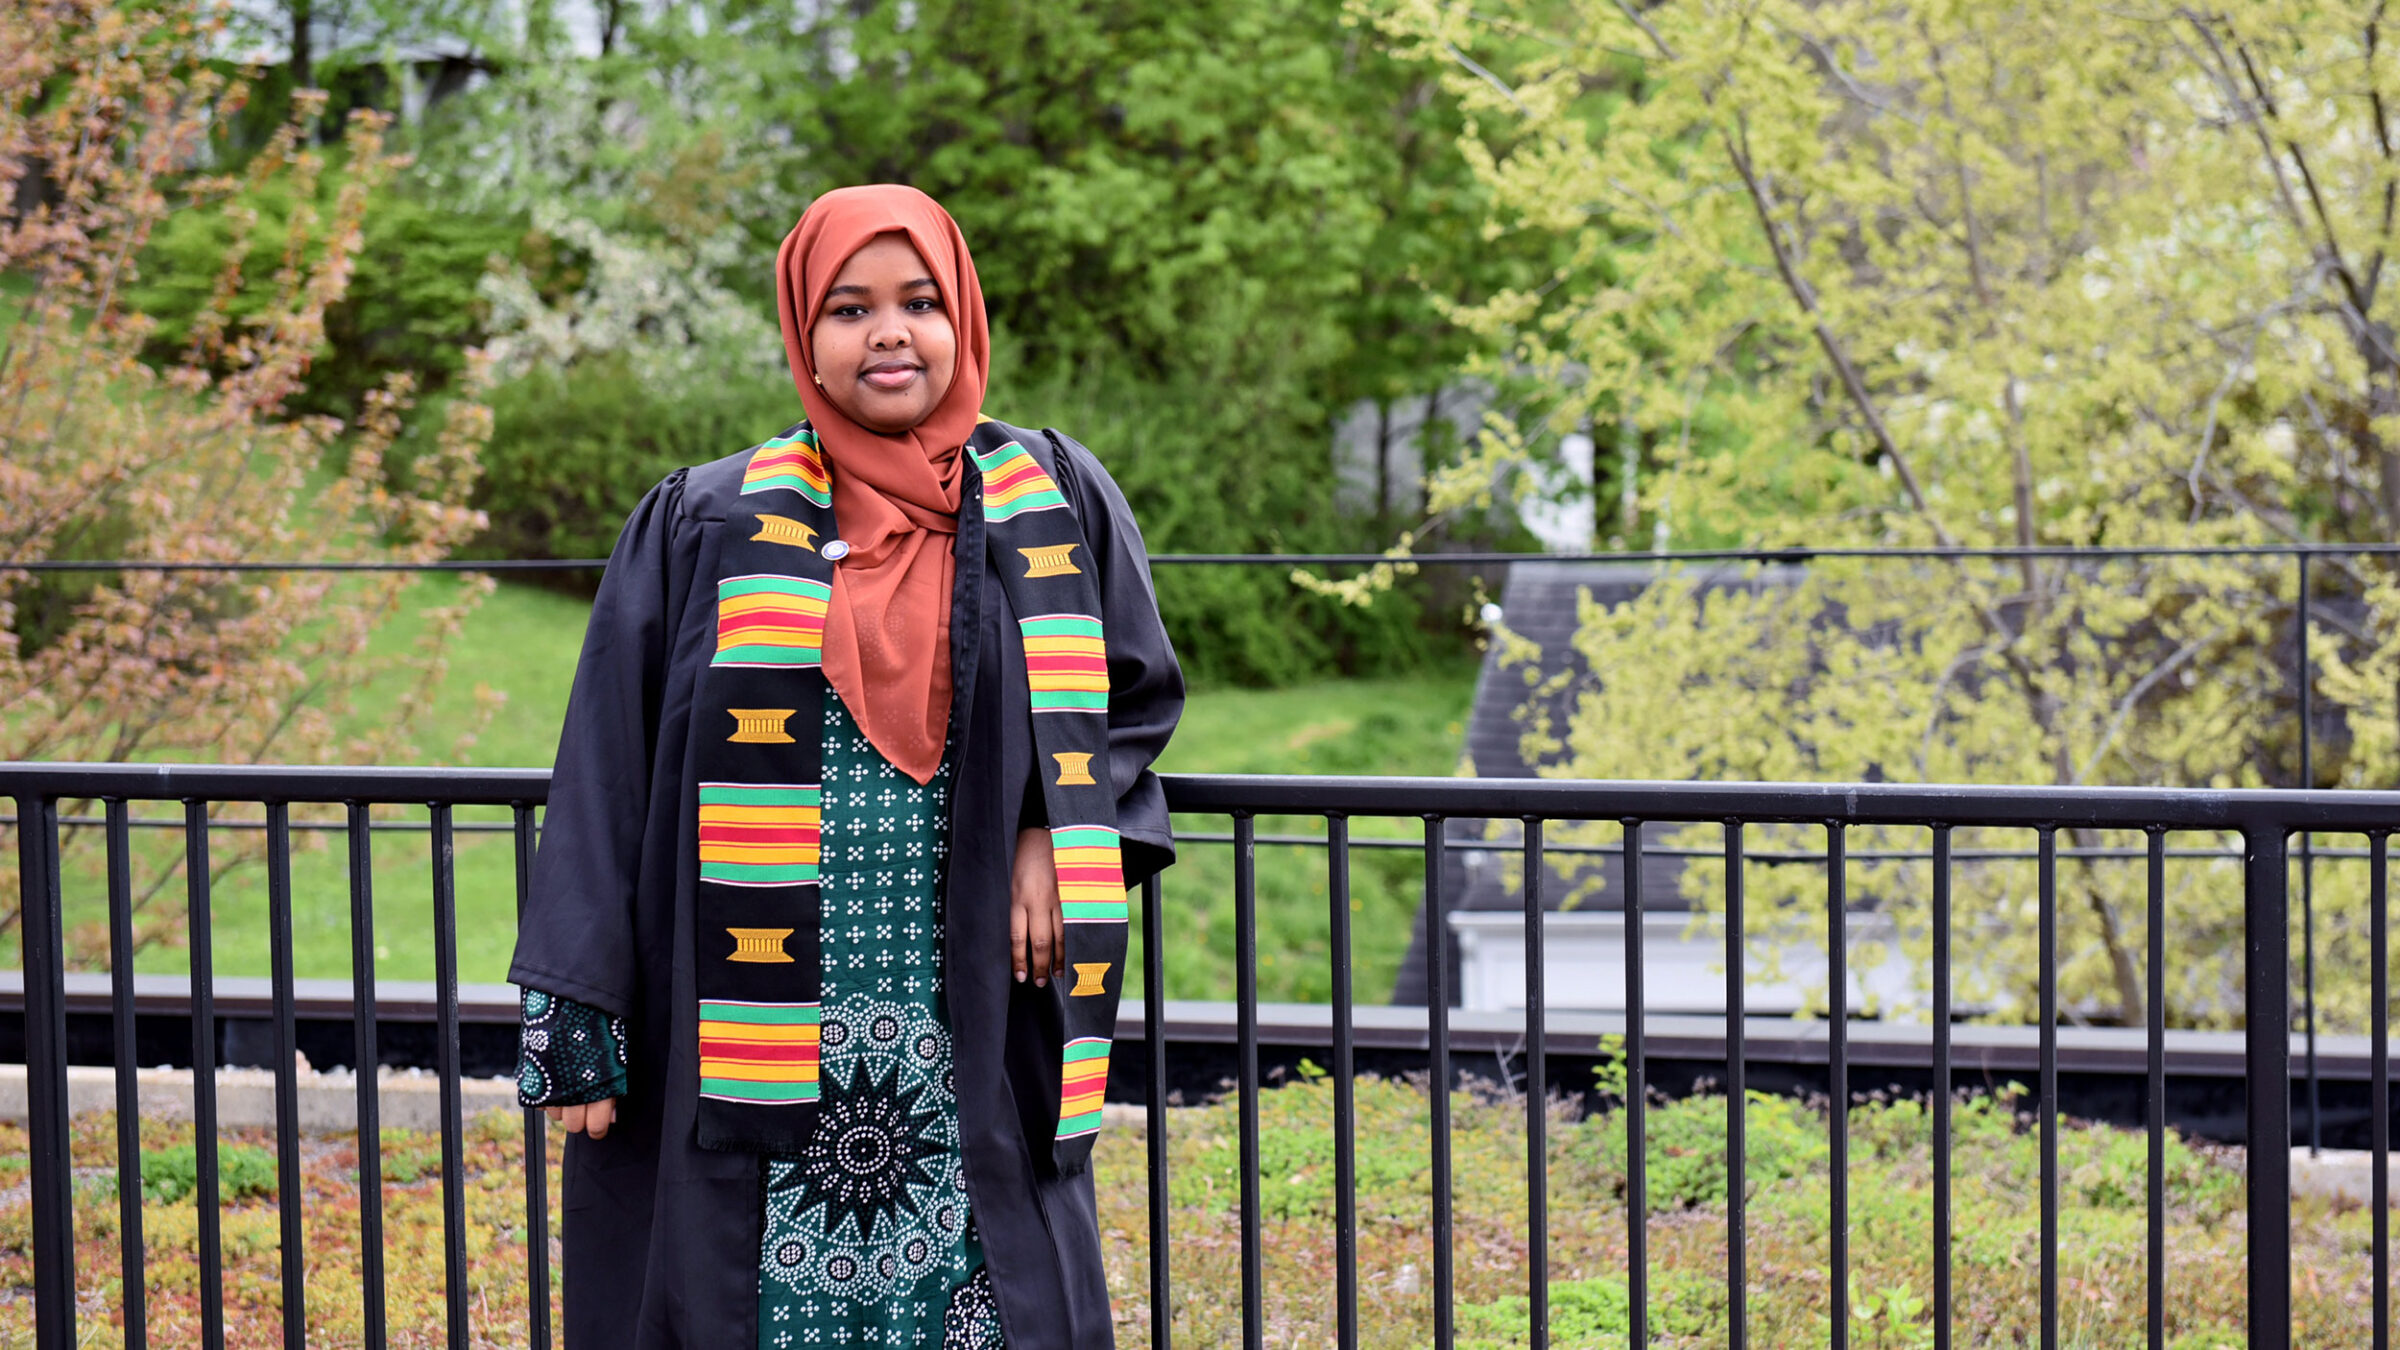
<point>1539,601</point>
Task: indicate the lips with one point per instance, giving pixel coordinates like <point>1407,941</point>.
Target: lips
<point>891,374</point>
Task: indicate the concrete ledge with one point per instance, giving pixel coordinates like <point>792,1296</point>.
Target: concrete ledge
<point>2338,1173</point>
<point>407,1099</point>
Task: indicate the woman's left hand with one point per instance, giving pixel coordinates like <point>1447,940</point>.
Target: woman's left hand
<point>1037,927</point>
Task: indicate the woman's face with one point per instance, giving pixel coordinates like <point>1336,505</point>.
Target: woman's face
<point>883,344</point>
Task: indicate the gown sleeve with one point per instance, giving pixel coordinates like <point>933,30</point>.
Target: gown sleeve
<point>1145,683</point>
<point>577,935</point>
<point>569,1053</point>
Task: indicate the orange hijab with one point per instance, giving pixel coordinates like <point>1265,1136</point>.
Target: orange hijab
<point>895,497</point>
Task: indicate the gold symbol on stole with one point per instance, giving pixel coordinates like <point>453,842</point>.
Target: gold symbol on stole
<point>1050,560</point>
<point>785,530</point>
<point>763,946</point>
<point>760,726</point>
<point>1087,978</point>
<point>1074,770</point>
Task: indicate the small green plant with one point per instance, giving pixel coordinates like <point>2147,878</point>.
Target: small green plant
<point>1593,1312</point>
<point>1894,1317</point>
<point>1687,1147</point>
<point>409,1156</point>
<point>171,1173</point>
<point>1609,1076</point>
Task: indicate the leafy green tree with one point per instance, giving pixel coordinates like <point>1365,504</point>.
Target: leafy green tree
<point>1214,225</point>
<point>1952,274</point>
<point>1263,194</point>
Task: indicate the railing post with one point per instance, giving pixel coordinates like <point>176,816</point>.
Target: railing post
<point>2267,1017</point>
<point>2308,862</point>
<point>42,933</point>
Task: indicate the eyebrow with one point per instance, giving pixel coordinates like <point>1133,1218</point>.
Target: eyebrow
<point>855,289</point>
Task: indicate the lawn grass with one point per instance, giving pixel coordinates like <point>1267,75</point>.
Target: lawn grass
<point>522,644</point>
<point>1994,1254</point>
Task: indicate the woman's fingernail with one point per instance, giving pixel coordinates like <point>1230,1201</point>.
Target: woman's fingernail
<point>1020,977</point>
<point>1039,983</point>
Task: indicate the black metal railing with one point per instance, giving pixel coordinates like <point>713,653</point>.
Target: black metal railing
<point>2262,821</point>
<point>2310,562</point>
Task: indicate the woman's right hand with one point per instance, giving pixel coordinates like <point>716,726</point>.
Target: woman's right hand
<point>1037,929</point>
<point>592,1118</point>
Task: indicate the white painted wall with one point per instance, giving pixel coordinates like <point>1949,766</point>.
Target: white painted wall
<point>1583,967</point>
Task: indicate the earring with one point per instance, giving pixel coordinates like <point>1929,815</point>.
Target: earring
<point>820,381</point>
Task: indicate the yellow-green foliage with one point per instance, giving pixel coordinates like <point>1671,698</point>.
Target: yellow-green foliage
<point>1995,1253</point>
<point>1996,1162</point>
<point>2053,273</point>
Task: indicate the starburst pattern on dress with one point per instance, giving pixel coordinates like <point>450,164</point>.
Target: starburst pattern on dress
<point>872,1143</point>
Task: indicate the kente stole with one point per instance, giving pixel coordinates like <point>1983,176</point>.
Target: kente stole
<point>758,755</point>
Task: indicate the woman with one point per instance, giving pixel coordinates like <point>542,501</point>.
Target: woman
<point>827,929</point>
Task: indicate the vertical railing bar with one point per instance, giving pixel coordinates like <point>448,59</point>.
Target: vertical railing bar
<point>445,1045</point>
<point>288,1192</point>
<point>1537,1100</point>
<point>2046,919</point>
<point>1837,1066</point>
<point>202,937</point>
<point>1345,1093</point>
<point>1437,1046</point>
<point>129,1088</point>
<point>2308,861</point>
<point>1942,1293</point>
<point>1154,1045</point>
<point>51,1173</point>
<point>1737,1100</point>
<point>2379,1088</point>
<point>372,1305</point>
<point>1245,962</point>
<point>1637,1133</point>
<point>2155,1033</point>
<point>537,1130</point>
<point>2267,1127</point>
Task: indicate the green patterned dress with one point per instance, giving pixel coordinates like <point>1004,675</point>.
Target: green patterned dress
<point>868,1238</point>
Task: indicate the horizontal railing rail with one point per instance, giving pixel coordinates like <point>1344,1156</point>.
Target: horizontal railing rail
<point>2307,559</point>
<point>2264,821</point>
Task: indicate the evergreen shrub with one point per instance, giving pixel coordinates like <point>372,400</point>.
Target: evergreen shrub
<point>411,305</point>
<point>574,448</point>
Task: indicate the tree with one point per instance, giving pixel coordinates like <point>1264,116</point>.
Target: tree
<point>1950,274</point>
<point>1213,225</point>
<point>105,455</point>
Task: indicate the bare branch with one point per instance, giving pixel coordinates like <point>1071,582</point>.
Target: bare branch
<point>1805,296</point>
<point>1484,72</point>
<point>1634,17</point>
<point>2133,697</point>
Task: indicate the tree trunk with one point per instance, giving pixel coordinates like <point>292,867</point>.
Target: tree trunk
<point>611,15</point>
<point>1433,405</point>
<point>304,15</point>
<point>1383,459</point>
<point>1629,487</point>
<point>2122,969</point>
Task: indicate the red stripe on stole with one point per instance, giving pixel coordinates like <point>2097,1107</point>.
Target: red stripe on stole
<point>757,622</point>
<point>1090,876</point>
<point>1023,471</point>
<point>757,1052</point>
<point>789,457</point>
<point>742,832</point>
<point>1094,663</point>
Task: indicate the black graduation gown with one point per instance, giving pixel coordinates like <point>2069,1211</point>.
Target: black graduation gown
<point>661,1246</point>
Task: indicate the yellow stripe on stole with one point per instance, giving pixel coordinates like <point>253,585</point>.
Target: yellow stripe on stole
<point>779,1034</point>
